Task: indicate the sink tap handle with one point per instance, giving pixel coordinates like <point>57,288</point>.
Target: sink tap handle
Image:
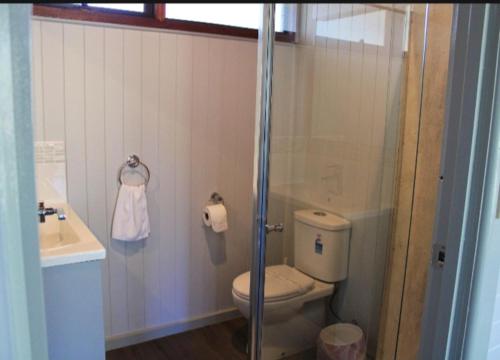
<point>61,215</point>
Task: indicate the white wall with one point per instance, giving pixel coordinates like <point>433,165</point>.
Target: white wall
<point>185,104</point>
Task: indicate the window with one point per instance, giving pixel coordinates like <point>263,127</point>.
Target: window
<point>237,15</point>
<point>117,8</point>
<point>133,7</point>
<point>369,27</point>
<point>223,19</point>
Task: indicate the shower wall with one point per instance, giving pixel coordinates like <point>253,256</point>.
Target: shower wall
<point>336,148</point>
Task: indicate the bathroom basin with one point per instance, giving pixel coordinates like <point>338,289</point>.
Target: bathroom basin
<point>67,241</point>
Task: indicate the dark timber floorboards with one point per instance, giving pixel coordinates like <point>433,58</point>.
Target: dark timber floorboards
<point>226,340</point>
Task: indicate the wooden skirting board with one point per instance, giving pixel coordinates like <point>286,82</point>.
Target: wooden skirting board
<point>136,337</point>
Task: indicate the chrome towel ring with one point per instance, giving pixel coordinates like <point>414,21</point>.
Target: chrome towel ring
<point>133,161</point>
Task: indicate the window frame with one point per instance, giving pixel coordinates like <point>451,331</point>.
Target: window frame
<point>149,10</point>
<point>153,17</point>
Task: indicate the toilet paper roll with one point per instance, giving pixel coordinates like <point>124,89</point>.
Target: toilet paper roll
<point>215,216</point>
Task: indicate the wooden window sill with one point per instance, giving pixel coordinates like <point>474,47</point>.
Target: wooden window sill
<point>143,20</point>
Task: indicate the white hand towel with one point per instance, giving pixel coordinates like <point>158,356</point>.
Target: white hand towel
<point>131,220</point>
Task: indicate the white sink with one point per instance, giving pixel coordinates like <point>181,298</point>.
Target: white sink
<point>67,241</point>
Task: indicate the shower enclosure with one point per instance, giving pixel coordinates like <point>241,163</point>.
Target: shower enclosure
<point>330,123</point>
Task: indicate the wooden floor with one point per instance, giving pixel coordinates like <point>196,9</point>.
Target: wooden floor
<point>226,340</point>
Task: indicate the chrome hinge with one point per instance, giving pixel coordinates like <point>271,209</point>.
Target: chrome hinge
<point>438,255</point>
<point>274,228</point>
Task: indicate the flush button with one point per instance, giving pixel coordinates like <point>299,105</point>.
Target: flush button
<point>318,245</point>
<point>319,213</point>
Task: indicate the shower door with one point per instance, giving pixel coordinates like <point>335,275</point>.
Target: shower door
<point>337,92</point>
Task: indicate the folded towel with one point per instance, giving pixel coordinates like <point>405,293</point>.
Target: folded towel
<point>131,220</point>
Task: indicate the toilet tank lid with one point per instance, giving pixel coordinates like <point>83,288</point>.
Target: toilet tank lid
<point>322,219</point>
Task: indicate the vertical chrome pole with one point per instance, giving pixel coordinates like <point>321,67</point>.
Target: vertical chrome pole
<point>261,178</point>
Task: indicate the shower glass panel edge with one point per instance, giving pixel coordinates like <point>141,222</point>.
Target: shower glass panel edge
<point>261,177</point>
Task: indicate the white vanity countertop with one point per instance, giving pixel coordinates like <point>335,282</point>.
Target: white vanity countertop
<point>69,241</point>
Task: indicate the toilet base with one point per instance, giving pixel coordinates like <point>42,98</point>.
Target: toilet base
<point>297,334</point>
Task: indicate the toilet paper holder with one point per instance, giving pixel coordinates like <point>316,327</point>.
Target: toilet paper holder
<point>215,198</point>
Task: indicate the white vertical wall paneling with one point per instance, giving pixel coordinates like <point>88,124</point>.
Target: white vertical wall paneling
<point>331,75</point>
<point>357,164</point>
<point>368,162</point>
<point>223,156</point>
<point>317,97</point>
<point>150,156</point>
<point>53,84</point>
<point>382,83</point>
<point>95,142</point>
<point>167,173</point>
<point>344,71</point>
<point>132,114</point>
<point>370,158</point>
<point>374,81</point>
<point>238,121</point>
<point>115,155</point>
<point>37,82</point>
<point>282,141</point>
<point>321,46</point>
<point>356,68</point>
<point>245,145</point>
<point>369,77</point>
<point>183,267</point>
<point>183,103</point>
<point>228,160</point>
<point>215,244</point>
<point>201,98</point>
<point>74,108</point>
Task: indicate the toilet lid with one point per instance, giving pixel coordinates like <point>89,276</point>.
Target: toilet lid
<point>282,282</point>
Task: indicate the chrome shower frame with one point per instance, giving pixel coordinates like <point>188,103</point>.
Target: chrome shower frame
<point>261,178</point>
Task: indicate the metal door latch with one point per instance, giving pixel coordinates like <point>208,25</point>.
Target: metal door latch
<point>439,255</point>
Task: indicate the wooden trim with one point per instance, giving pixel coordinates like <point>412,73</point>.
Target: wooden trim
<point>148,334</point>
<point>387,8</point>
<point>145,20</point>
<point>159,12</point>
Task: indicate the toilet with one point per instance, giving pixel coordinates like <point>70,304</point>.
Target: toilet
<point>295,297</point>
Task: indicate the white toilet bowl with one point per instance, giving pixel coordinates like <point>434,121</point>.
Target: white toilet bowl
<point>286,291</point>
<point>294,309</point>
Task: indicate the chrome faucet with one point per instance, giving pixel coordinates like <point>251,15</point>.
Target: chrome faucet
<point>43,212</point>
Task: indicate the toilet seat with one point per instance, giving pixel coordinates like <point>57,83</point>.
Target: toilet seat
<point>282,283</point>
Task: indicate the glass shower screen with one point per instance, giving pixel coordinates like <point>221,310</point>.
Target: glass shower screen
<point>331,138</point>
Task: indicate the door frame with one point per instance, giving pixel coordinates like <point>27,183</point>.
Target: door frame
<point>467,147</point>
<point>22,315</point>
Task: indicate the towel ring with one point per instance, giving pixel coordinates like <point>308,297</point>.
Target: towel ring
<point>133,161</point>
